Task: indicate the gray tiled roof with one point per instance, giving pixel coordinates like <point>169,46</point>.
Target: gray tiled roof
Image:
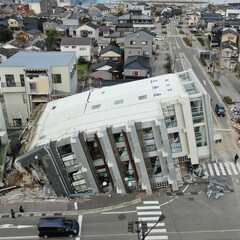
<point>140,33</point>
<point>102,7</point>
<point>137,62</point>
<point>92,25</point>
<point>229,30</point>
<point>111,48</point>
<point>33,31</point>
<point>76,41</point>
<point>39,60</point>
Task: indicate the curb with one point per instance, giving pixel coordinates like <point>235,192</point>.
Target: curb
<point>77,212</point>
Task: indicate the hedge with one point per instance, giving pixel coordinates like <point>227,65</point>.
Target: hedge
<point>181,32</point>
<point>201,41</point>
<point>186,40</point>
<point>227,99</point>
<point>203,62</point>
<point>217,83</point>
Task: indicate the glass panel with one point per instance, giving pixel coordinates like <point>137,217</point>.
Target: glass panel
<point>157,171</point>
<point>197,110</point>
<point>190,88</point>
<point>200,136</point>
<point>147,134</point>
<point>118,137</point>
<point>175,142</point>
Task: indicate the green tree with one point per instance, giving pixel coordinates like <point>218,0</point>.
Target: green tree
<point>5,35</point>
<point>85,20</point>
<point>114,42</point>
<point>120,13</point>
<point>52,38</point>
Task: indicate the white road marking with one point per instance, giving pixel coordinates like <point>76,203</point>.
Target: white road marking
<point>148,219</point>
<point>210,169</point>
<point>118,212</point>
<point>160,224</point>
<point>234,168</point>
<point>222,169</point>
<point>238,166</point>
<point>150,202</point>
<point>16,226</point>
<point>167,202</point>
<point>149,213</point>
<point>80,217</point>
<point>156,237</point>
<point>228,169</point>
<point>161,230</point>
<point>216,169</point>
<point>147,207</point>
<point>216,159</point>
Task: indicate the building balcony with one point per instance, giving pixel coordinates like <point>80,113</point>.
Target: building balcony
<point>12,87</point>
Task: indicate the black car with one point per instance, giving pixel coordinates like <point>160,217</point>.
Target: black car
<point>220,110</point>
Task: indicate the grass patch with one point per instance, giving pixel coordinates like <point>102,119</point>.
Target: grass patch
<point>82,70</point>
<point>201,41</point>
<point>186,40</point>
<point>181,32</point>
<point>217,83</point>
<point>227,99</point>
<point>3,152</point>
<point>203,62</point>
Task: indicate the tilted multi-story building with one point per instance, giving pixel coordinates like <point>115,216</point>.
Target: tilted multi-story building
<point>31,78</point>
<point>129,136</point>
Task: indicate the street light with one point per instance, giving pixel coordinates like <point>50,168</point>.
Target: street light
<point>162,217</point>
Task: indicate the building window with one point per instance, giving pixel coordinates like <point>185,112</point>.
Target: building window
<point>33,87</point>
<point>228,54</point>
<point>118,137</point>
<point>175,142</point>
<point>142,97</point>
<point>147,133</point>
<point>115,58</point>
<point>135,73</point>
<point>200,136</point>
<point>46,25</point>
<point>82,49</point>
<point>57,78</point>
<point>151,147</point>
<point>65,46</point>
<point>145,53</point>
<point>96,106</point>
<point>70,162</point>
<point>10,80</point>
<point>77,176</point>
<point>73,46</point>
<point>144,42</point>
<point>157,171</point>
<point>171,119</point>
<point>17,122</point>
<point>197,110</point>
<point>22,80</point>
<point>122,151</point>
<point>133,42</point>
<point>118,102</point>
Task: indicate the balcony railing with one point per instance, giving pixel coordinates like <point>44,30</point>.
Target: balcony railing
<point>12,84</point>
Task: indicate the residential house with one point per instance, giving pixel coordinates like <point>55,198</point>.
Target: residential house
<point>208,20</point>
<point>99,9</point>
<point>37,45</point>
<point>229,55</point>
<point>50,25</point>
<point>30,34</point>
<point>63,31</point>
<point>105,31</point>
<point>124,137</point>
<point>102,43</point>
<point>112,22</point>
<point>14,24</point>
<point>137,67</point>
<point>32,23</point>
<point>229,34</point>
<point>138,44</point>
<point>101,75</point>
<point>34,5</point>
<point>3,25</point>
<point>96,18</point>
<point>7,53</point>
<point>142,6</point>
<point>31,78</point>
<point>233,13</point>
<point>114,68</point>
<point>216,36</point>
<point>136,21</point>
<point>15,43</point>
<point>194,19</point>
<point>81,47</point>
<point>112,53</point>
<point>88,30</point>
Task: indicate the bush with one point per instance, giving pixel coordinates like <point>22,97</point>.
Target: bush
<point>181,32</point>
<point>186,40</point>
<point>211,74</point>
<point>203,62</point>
<point>164,32</point>
<point>81,60</point>
<point>179,26</point>
<point>217,83</point>
<point>169,70</point>
<point>201,41</point>
<point>227,99</point>
<point>197,34</point>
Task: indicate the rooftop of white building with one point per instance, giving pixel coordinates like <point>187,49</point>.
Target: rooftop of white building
<point>39,60</point>
<point>115,106</point>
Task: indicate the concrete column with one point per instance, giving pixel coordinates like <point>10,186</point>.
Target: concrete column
<point>84,161</point>
<point>138,158</point>
<point>168,153</point>
<point>111,160</point>
<point>159,144</point>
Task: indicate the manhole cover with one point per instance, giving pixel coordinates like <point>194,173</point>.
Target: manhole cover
<point>121,217</point>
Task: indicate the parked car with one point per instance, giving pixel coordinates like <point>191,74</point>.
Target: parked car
<point>220,110</point>
<point>159,38</point>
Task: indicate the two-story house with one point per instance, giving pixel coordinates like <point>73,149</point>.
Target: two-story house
<point>31,78</point>
<point>194,19</point>
<point>137,21</point>
<point>99,8</point>
<point>81,46</point>
<point>88,30</point>
<point>112,53</point>
<point>14,24</point>
<point>138,44</point>
<point>50,25</point>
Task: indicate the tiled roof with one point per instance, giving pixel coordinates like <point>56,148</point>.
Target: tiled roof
<point>33,31</point>
<point>102,7</point>
<point>111,48</point>
<point>229,30</point>
<point>92,25</point>
<point>137,62</point>
<point>76,41</point>
<point>39,60</point>
<point>140,33</point>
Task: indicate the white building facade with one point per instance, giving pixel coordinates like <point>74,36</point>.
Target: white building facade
<point>31,78</point>
<point>124,137</point>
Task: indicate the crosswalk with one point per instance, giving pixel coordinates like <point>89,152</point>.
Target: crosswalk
<point>221,169</point>
<point>150,213</point>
